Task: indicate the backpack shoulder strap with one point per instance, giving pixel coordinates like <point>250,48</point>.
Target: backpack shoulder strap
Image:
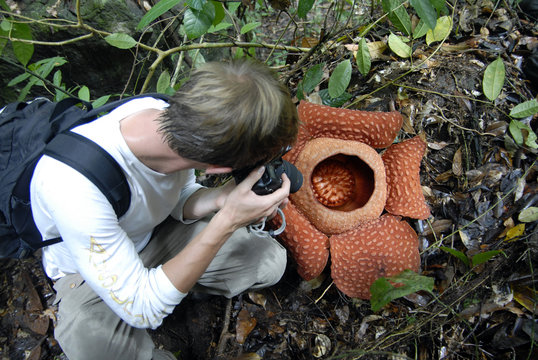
<point>96,164</point>
<point>95,112</point>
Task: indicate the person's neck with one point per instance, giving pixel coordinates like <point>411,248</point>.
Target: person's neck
<point>141,134</point>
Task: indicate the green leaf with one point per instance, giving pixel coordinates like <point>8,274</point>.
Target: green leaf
<point>340,78</point>
<point>493,81</point>
<point>441,31</point>
<point>420,30</point>
<point>528,215</point>
<point>100,101</point>
<point>198,22</point>
<point>218,27</point>
<point>57,81</point>
<point>157,10</point>
<point>4,5</point>
<point>233,6</point>
<point>197,58</point>
<point>398,15</point>
<point>44,67</point>
<point>3,39</point>
<point>300,91</point>
<point>220,13</point>
<point>250,26</point>
<point>18,79</point>
<point>334,102</point>
<point>456,253</point>
<point>84,93</point>
<point>363,58</point>
<point>399,47</point>
<point>312,78</point>
<point>23,51</point>
<point>196,4</point>
<point>481,258</point>
<point>304,7</point>
<point>57,78</point>
<point>425,11</point>
<point>522,134</point>
<point>164,82</point>
<point>6,25</point>
<point>384,292</point>
<point>440,6</point>
<point>121,40</point>
<point>525,109</point>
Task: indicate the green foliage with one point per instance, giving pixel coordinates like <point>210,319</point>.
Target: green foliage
<point>156,11</point>
<point>425,11</point>
<point>249,27</point>
<point>527,108</point>
<point>398,15</point>
<point>41,69</point>
<point>409,282</point>
<point>4,5</point>
<point>84,93</point>
<point>398,45</point>
<point>363,58</point>
<point>23,51</point>
<point>529,214</point>
<point>456,253</point>
<point>475,260</point>
<point>523,134</point>
<point>441,31</point>
<point>121,41</point>
<point>334,101</point>
<point>192,19</point>
<point>493,80</point>
<point>304,7</point>
<point>198,22</point>
<point>340,78</point>
<point>483,257</point>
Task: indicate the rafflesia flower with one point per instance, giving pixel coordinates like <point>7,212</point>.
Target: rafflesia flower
<point>347,187</point>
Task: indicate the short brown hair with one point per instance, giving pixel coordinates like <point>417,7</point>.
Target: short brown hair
<point>233,114</point>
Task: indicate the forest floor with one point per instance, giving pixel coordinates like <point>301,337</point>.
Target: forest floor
<point>476,180</point>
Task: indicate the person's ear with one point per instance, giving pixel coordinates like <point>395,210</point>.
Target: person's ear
<point>215,169</point>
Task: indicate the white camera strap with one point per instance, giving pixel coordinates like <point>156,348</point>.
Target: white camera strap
<point>258,228</point>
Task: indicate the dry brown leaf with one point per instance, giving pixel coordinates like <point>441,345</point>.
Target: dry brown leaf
<point>257,298</point>
<point>437,145</point>
<point>457,168</point>
<point>245,324</point>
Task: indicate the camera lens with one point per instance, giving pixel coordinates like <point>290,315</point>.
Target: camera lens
<point>295,176</point>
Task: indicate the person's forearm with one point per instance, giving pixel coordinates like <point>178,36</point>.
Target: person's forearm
<point>206,201</point>
<point>200,204</point>
<point>185,268</point>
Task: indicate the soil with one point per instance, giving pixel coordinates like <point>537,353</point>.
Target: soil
<point>477,181</point>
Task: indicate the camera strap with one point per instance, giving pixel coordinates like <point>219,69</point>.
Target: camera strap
<point>258,228</point>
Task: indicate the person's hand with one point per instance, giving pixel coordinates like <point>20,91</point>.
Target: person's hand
<point>243,207</point>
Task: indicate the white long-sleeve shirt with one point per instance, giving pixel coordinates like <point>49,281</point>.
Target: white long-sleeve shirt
<point>95,244</point>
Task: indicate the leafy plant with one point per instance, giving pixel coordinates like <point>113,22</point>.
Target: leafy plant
<point>340,78</point>
<point>522,133</point>
<point>475,260</point>
<point>409,282</point>
<point>493,80</point>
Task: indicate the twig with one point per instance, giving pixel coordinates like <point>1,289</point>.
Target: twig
<point>324,292</point>
<point>459,126</point>
<point>225,335</point>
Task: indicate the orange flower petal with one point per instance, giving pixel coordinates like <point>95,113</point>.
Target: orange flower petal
<point>374,128</point>
<point>402,165</point>
<point>381,247</point>
<point>308,246</point>
<point>369,197</point>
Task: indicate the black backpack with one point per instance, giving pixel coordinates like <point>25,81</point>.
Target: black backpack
<point>29,130</point>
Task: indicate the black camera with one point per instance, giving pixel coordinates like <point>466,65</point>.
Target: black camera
<point>271,179</point>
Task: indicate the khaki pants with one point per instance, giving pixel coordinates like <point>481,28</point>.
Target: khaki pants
<point>88,329</point>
